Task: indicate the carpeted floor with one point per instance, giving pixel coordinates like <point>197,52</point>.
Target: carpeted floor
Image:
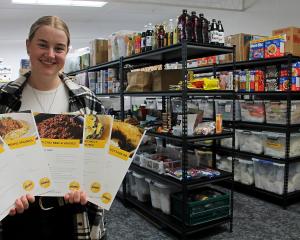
<point>254,219</point>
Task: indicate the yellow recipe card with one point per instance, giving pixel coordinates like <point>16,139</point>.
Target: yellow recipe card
<point>19,132</point>
<point>124,141</point>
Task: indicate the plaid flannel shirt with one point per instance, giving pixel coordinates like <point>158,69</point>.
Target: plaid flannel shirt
<point>89,220</point>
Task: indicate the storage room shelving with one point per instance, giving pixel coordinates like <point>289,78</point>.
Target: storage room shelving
<point>287,197</point>
<point>176,53</point>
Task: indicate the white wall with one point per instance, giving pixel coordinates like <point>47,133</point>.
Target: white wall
<point>260,18</point>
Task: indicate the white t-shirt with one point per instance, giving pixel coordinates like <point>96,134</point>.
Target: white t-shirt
<point>53,101</point>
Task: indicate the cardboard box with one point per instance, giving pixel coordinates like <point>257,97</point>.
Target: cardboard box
<point>162,79</point>
<point>98,51</point>
<point>292,44</point>
<point>242,43</point>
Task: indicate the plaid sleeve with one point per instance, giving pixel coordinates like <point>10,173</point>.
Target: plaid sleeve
<point>96,219</point>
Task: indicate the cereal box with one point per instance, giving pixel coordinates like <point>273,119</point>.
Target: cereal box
<point>256,49</point>
<point>274,46</point>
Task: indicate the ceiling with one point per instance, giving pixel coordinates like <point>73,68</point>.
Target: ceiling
<point>116,15</point>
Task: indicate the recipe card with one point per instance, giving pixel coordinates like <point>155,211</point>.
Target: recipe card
<point>124,141</point>
<point>19,132</point>
<point>97,131</point>
<point>62,140</point>
<point>10,179</point>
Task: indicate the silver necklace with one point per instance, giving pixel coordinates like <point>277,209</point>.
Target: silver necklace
<point>39,102</point>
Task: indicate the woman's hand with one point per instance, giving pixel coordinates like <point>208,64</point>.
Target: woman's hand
<point>76,197</point>
<point>21,204</point>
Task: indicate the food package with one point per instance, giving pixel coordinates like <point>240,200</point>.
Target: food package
<point>292,44</point>
<point>252,111</point>
<point>98,51</point>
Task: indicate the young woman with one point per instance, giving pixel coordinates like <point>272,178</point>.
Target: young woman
<point>45,89</point>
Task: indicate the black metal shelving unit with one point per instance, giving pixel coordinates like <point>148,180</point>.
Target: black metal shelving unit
<point>179,52</point>
<point>286,198</point>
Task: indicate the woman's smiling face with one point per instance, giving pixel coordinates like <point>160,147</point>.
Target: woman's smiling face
<point>47,50</point>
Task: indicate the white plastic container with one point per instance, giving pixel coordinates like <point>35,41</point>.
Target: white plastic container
<point>165,197</point>
<point>252,111</point>
<point>268,175</point>
<point>274,144</point>
<point>154,194</point>
<point>251,141</point>
<point>225,107</point>
<point>227,142</point>
<point>131,184</point>
<point>276,112</point>
<point>246,169</point>
<point>207,106</point>
<point>160,195</point>
<point>224,163</point>
<point>142,187</point>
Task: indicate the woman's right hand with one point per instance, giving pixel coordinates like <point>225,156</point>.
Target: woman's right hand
<point>21,204</point>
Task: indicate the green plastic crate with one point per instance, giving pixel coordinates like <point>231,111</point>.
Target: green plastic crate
<point>201,211</point>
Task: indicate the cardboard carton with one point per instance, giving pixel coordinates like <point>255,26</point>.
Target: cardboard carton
<point>98,51</point>
<point>242,43</point>
<point>162,79</point>
<point>292,44</point>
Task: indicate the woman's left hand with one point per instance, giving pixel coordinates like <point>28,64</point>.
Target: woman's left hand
<point>76,197</point>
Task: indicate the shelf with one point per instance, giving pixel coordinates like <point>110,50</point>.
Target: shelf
<point>171,222</point>
<point>191,184</point>
<point>272,95</point>
<point>259,156</point>
<point>244,64</point>
<point>180,93</point>
<point>266,127</point>
<point>263,194</point>
<point>108,95</point>
<point>174,53</point>
<point>112,64</point>
<point>190,139</point>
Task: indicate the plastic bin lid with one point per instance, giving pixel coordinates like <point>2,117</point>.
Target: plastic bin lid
<point>161,185</point>
<point>138,175</point>
<point>148,180</point>
<point>246,161</point>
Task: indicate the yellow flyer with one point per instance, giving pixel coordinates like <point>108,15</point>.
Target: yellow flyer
<point>19,132</point>
<point>124,141</point>
<point>97,131</point>
<point>10,179</point>
<point>62,140</point>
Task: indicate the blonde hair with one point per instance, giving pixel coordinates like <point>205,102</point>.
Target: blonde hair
<point>52,21</point>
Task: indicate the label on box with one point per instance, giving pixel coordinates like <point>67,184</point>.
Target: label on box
<point>274,46</point>
<point>256,49</point>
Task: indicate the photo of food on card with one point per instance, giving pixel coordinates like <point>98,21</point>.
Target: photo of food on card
<point>97,127</point>
<point>125,136</point>
<point>59,126</point>
<point>14,126</point>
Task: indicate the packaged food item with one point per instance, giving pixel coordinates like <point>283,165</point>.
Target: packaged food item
<point>256,49</point>
<point>274,46</point>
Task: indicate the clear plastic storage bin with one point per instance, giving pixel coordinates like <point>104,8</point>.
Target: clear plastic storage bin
<point>224,163</point>
<point>159,163</point>
<point>245,170</point>
<point>203,158</point>
<point>142,187</point>
<point>250,141</point>
<point>276,112</point>
<point>207,106</point>
<point>225,107</point>
<point>131,184</point>
<point>270,176</point>
<point>227,142</point>
<point>274,144</point>
<point>252,111</point>
<point>160,195</point>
